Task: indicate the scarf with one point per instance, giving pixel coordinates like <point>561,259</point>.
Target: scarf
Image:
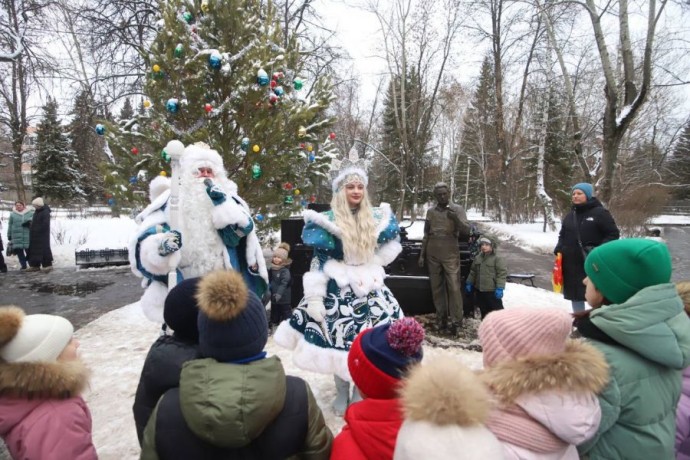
<point>511,424</point>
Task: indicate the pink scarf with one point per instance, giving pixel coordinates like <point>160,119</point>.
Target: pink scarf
<point>513,425</point>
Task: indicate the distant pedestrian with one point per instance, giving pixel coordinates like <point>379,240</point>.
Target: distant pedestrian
<point>18,232</point>
<point>280,283</point>
<point>40,254</point>
<point>487,278</point>
<point>42,413</point>
<point>587,226</point>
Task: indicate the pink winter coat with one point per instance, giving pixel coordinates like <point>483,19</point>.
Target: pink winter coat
<point>42,415</point>
<point>47,429</point>
<point>683,420</point>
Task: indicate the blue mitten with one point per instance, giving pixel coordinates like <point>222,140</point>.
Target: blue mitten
<point>171,243</point>
<point>499,293</point>
<point>468,288</point>
<point>214,192</point>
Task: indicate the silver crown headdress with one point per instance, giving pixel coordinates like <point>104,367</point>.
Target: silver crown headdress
<point>352,165</point>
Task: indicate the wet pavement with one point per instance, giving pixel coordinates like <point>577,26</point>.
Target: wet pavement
<point>79,295</point>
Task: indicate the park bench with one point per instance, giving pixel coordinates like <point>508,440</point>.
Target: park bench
<point>521,278</point>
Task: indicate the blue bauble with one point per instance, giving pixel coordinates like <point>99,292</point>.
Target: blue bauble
<point>260,217</point>
<point>262,77</point>
<point>279,91</point>
<point>215,60</point>
<point>245,143</point>
<point>111,201</point>
<point>311,158</point>
<point>100,129</point>
<point>173,105</point>
<point>133,180</point>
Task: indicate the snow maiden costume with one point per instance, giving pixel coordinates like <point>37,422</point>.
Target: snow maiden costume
<point>342,296</point>
<point>216,231</point>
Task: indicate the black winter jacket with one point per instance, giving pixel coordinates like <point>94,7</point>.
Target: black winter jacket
<point>160,373</point>
<point>596,226</point>
<point>39,237</point>
<point>280,285</point>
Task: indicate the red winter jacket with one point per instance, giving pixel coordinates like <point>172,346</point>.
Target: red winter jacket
<point>371,428</point>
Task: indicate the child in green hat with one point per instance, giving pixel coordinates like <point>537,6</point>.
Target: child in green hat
<point>639,323</point>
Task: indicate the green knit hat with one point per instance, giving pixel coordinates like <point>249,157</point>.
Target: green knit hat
<point>621,268</point>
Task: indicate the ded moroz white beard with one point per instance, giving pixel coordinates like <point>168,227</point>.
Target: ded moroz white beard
<point>202,248</point>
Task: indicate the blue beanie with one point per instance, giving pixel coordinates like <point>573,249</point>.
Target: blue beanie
<point>180,310</point>
<point>232,319</point>
<point>586,188</point>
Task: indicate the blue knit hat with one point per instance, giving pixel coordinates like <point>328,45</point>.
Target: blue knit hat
<point>180,310</point>
<point>586,188</point>
<point>232,319</point>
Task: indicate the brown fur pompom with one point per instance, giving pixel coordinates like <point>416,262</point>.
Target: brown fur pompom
<point>222,295</point>
<point>683,288</point>
<point>11,318</point>
<point>285,246</point>
<point>445,392</point>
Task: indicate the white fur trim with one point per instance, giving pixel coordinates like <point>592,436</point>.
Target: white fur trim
<point>196,156</point>
<point>315,284</point>
<point>387,253</point>
<point>310,357</point>
<point>322,221</point>
<point>421,439</point>
<point>153,207</point>
<point>157,218</point>
<point>346,172</point>
<point>254,255</point>
<point>153,300</point>
<point>152,261</point>
<point>158,185</point>
<point>385,218</point>
<point>362,279</point>
<point>229,213</point>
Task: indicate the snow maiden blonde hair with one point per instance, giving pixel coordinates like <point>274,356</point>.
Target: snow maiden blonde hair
<point>358,226</point>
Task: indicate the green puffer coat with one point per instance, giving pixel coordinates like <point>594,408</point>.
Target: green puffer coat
<point>488,272</point>
<point>16,233</point>
<point>638,406</point>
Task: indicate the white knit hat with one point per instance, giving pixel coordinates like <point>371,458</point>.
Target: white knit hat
<point>38,202</point>
<point>32,338</point>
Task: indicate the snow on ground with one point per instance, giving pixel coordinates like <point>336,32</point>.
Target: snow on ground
<point>115,346</point>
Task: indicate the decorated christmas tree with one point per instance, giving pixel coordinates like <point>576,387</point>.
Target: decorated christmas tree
<point>225,73</point>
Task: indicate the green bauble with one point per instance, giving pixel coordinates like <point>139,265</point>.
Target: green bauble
<point>179,50</point>
<point>188,17</point>
<point>297,83</point>
<point>288,199</point>
<point>256,171</point>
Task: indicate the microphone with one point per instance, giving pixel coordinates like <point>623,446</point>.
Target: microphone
<point>208,182</point>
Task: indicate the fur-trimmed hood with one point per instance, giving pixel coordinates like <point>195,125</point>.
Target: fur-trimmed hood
<point>581,368</point>
<point>43,380</point>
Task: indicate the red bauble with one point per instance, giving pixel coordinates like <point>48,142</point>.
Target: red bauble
<point>272,98</point>
<point>135,151</point>
<point>273,83</point>
<point>287,186</point>
<point>303,146</point>
<point>332,136</point>
<point>208,108</point>
<point>312,199</point>
<point>276,76</point>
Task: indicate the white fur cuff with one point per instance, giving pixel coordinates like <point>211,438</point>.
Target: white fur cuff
<point>229,213</point>
<point>153,300</point>
<point>315,284</point>
<point>152,261</point>
<point>387,253</point>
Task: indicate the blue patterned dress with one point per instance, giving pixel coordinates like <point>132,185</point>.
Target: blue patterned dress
<point>354,296</point>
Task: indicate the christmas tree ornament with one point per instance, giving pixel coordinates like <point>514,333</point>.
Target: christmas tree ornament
<point>312,199</point>
<point>179,50</point>
<point>297,83</point>
<point>256,148</point>
<point>194,29</point>
<point>204,6</point>
<point>287,186</point>
<point>303,202</point>
<point>156,68</point>
<point>215,60</point>
<point>302,131</point>
<point>302,145</point>
<point>288,199</point>
<point>311,157</point>
<point>244,145</point>
<point>188,17</point>
<point>273,83</point>
<point>208,107</point>
<point>260,217</point>
<point>100,129</point>
<point>147,104</point>
<point>279,91</point>
<point>262,77</point>
<point>165,155</point>
<point>135,151</point>
<point>163,173</point>
<point>272,98</point>
<point>133,180</point>
<point>111,202</point>
<point>173,105</point>
<point>310,148</point>
<point>256,171</point>
<point>331,136</point>
<point>297,192</point>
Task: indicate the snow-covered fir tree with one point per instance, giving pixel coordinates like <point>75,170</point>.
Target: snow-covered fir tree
<point>57,173</point>
<point>223,73</point>
<point>88,146</point>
